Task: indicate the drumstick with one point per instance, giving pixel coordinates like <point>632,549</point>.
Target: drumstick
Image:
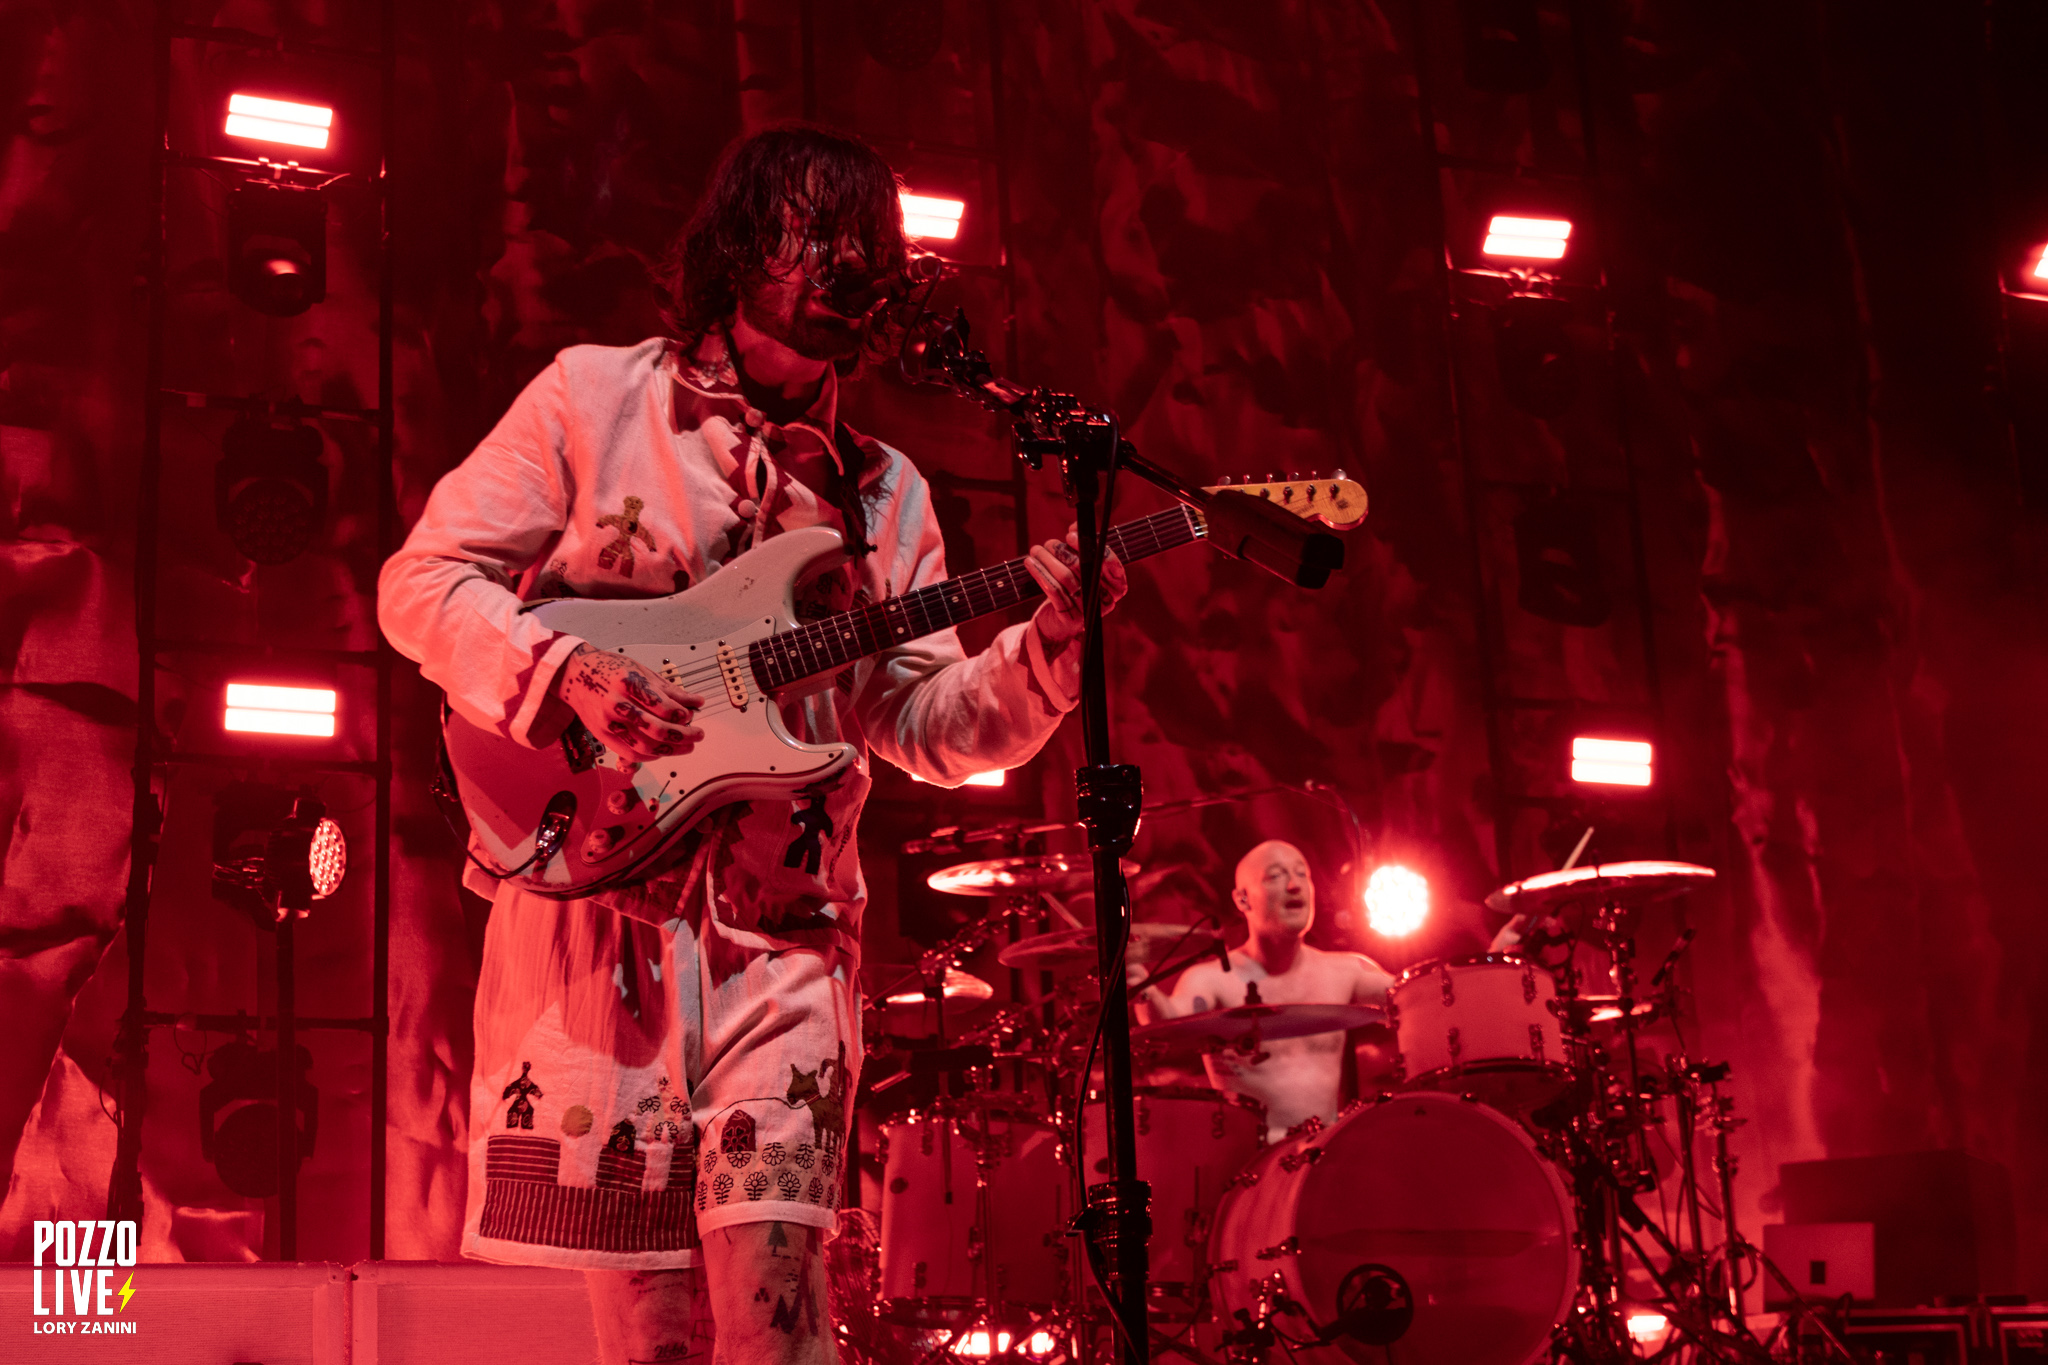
<point>1573,861</point>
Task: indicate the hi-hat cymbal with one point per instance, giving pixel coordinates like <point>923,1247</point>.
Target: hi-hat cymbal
<point>1214,1030</point>
<point>1076,947</point>
<point>1009,876</point>
<point>1631,884</point>
<point>961,986</point>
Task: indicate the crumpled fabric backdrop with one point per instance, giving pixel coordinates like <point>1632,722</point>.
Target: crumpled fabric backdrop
<point>1222,227</point>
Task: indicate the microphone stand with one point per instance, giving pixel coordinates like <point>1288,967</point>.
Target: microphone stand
<point>1116,1220</point>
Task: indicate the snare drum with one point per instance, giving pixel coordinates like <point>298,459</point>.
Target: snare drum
<point>1191,1142</point>
<point>1430,1206</point>
<point>974,1212</point>
<point>1482,1026</point>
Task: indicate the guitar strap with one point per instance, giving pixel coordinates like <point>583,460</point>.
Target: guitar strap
<point>846,490</point>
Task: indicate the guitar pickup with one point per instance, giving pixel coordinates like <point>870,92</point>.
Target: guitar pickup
<point>735,680</point>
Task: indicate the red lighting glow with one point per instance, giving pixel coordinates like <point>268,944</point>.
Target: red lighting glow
<point>993,778</point>
<point>1611,762</point>
<point>1396,901</point>
<point>268,120</point>
<point>2040,270</point>
<point>927,216</point>
<point>1646,1328</point>
<point>260,709</point>
<point>1526,239</point>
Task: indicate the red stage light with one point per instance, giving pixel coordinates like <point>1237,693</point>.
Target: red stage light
<point>2040,270</point>
<point>257,708</point>
<point>925,215</point>
<point>1526,239</point>
<point>1396,901</point>
<point>1611,762</point>
<point>268,120</point>
<point>992,778</point>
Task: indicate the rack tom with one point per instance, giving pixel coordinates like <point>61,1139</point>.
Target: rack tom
<point>1481,1026</point>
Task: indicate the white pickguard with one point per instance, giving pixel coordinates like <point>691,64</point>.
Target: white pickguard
<point>746,754</point>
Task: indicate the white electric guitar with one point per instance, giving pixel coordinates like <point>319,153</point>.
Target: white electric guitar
<point>571,819</point>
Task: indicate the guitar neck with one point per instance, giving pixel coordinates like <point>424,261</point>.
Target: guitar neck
<point>837,641</point>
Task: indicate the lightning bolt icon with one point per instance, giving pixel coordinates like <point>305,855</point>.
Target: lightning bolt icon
<point>127,1292</point>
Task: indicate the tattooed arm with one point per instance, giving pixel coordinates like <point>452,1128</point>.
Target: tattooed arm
<point>636,713</point>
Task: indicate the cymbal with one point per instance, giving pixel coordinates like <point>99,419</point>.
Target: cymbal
<point>1215,1029</point>
<point>1026,873</point>
<point>1630,884</point>
<point>1076,947</point>
<point>962,986</point>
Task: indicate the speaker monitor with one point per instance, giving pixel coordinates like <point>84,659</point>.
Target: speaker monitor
<point>1943,1221</point>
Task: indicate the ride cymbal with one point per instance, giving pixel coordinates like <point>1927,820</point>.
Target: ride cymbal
<point>1631,884</point>
<point>1076,947</point>
<point>1025,873</point>
<point>1214,1030</point>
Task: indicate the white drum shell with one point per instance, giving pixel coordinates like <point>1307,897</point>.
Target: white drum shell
<point>1451,1194</point>
<point>1486,1025</point>
<point>946,1242</point>
<point>1191,1142</point>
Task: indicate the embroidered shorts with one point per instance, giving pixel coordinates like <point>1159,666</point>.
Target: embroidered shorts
<point>637,1085</point>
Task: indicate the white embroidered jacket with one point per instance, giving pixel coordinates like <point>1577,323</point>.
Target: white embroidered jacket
<point>622,472</point>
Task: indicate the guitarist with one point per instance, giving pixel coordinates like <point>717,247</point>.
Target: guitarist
<point>687,1045</point>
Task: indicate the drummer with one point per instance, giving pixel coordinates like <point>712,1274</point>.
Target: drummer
<point>1296,1079</point>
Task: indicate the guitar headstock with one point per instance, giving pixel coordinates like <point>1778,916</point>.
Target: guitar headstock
<point>1339,503</point>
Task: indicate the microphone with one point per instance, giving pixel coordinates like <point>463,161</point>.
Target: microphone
<point>860,292</point>
<point>1222,953</point>
<point>1671,960</point>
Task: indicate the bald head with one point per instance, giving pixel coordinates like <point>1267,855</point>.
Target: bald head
<point>1274,891</point>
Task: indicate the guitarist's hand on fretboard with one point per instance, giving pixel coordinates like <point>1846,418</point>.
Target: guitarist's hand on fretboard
<point>1056,565</point>
<point>636,714</point>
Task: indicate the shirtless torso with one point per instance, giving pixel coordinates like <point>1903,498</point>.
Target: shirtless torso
<point>1295,1078</point>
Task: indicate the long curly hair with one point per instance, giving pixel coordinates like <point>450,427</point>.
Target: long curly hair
<point>839,185</point>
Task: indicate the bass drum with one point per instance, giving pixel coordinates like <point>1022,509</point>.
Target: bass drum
<point>1430,1198</point>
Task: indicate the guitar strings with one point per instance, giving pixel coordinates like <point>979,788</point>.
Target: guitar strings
<point>707,677</point>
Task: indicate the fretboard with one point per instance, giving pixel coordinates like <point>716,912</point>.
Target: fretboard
<point>839,640</point>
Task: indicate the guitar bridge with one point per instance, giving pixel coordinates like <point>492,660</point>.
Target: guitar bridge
<point>735,680</point>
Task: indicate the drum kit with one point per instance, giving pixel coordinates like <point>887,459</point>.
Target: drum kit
<point>1480,1207</point>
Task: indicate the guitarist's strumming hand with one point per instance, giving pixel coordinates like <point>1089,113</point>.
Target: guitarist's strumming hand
<point>1056,565</point>
<point>636,713</point>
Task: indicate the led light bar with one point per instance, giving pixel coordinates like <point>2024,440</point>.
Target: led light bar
<point>257,708</point>
<point>1611,762</point>
<point>268,120</point>
<point>927,216</point>
<point>1526,239</point>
